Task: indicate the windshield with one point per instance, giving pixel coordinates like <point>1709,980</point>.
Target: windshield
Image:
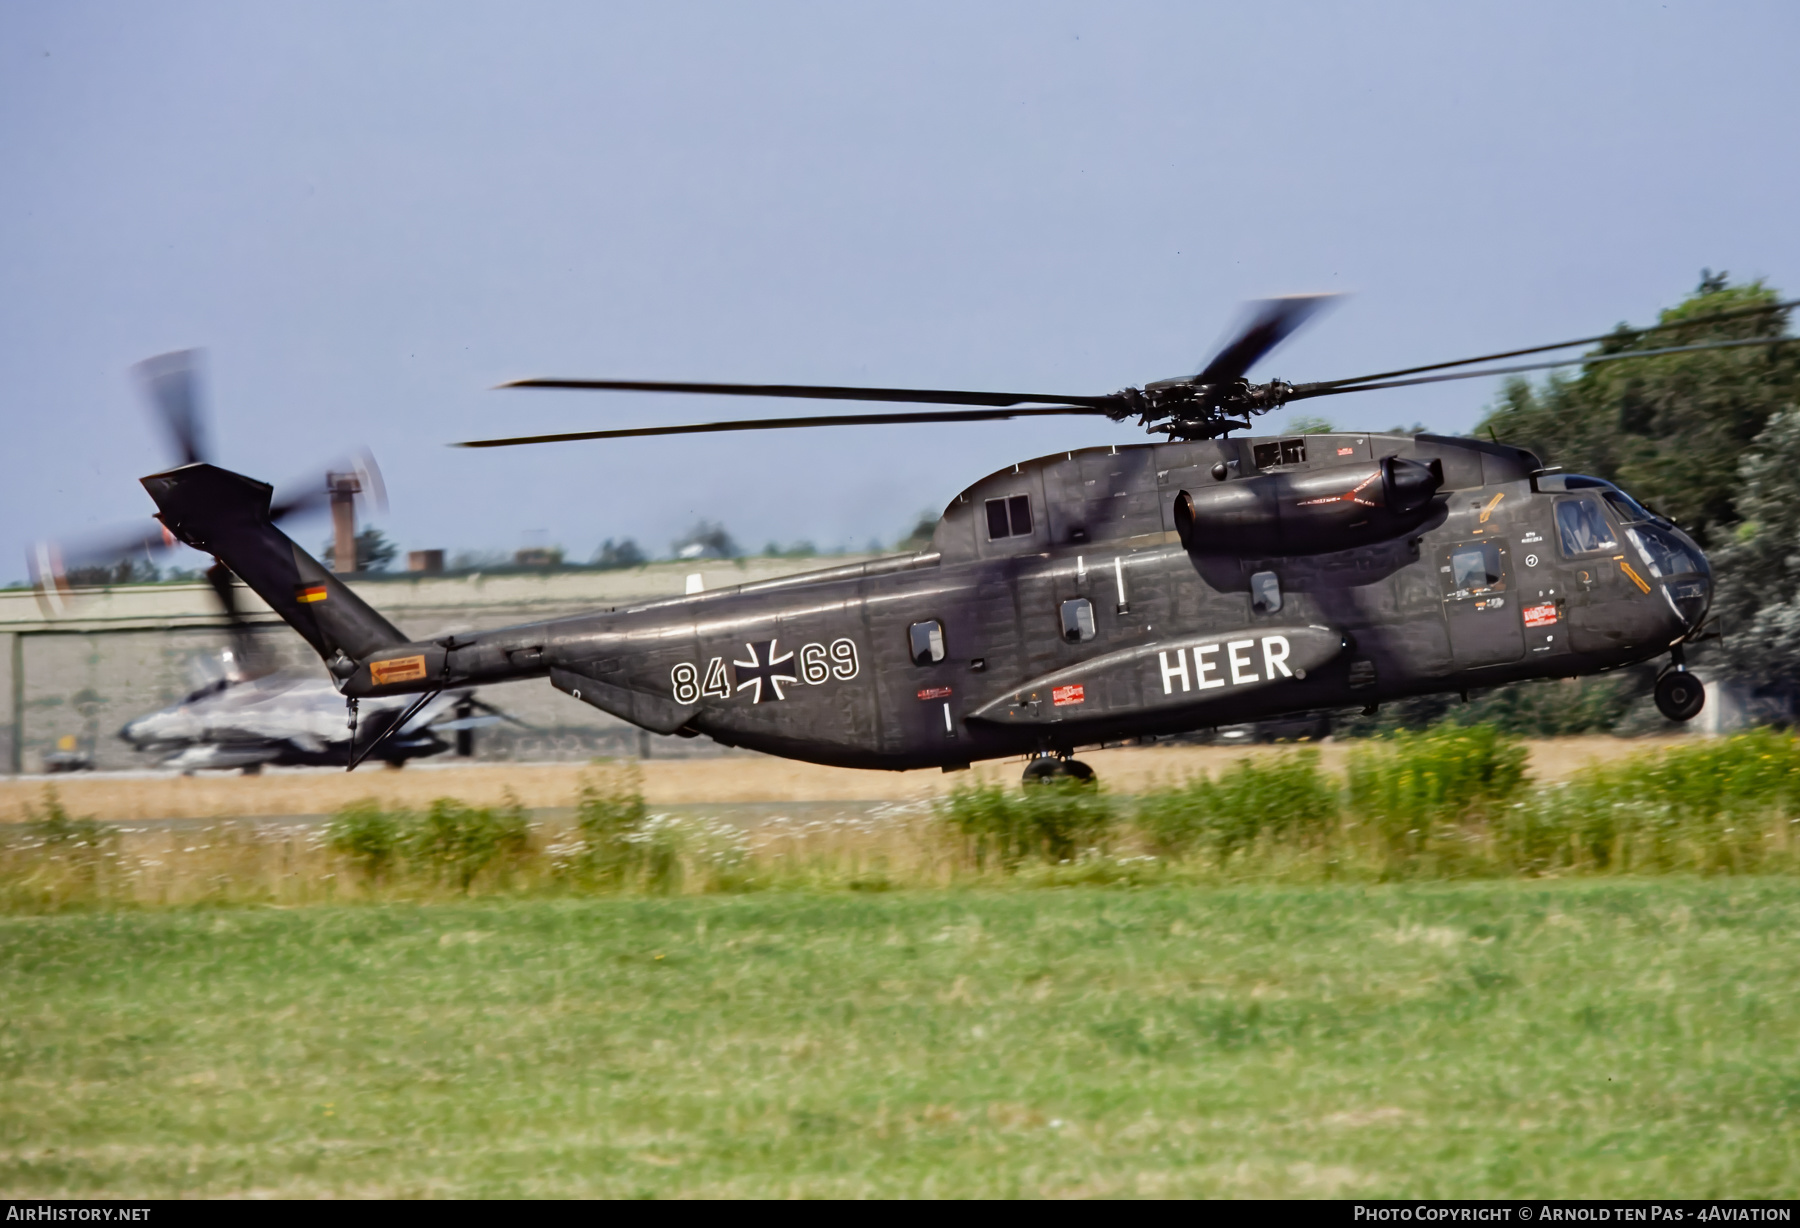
<point>1628,509</point>
<point>1662,553</point>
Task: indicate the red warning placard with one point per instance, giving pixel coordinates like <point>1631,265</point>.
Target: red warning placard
<point>1064,695</point>
<point>1540,615</point>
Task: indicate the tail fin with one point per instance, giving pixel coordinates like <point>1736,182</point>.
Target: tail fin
<point>227,515</point>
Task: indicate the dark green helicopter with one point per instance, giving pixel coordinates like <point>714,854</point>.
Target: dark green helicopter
<point>1084,598</point>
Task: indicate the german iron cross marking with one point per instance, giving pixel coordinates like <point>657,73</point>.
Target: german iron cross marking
<point>764,666</point>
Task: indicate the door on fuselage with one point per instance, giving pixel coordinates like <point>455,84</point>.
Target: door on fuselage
<point>1480,611</point>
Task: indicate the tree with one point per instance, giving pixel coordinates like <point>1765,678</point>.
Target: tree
<point>373,551</point>
<point>1758,571</point>
<point>1711,440</point>
<point>921,534</point>
<point>125,571</point>
<point>616,556</point>
<point>1670,430</point>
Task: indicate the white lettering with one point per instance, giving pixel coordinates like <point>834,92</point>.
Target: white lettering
<point>844,664</point>
<point>815,666</point>
<point>1202,665</point>
<point>716,682</point>
<point>1239,665</point>
<point>1275,655</point>
<point>1179,671</point>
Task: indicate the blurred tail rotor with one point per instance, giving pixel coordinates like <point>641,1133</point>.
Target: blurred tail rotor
<point>127,554</point>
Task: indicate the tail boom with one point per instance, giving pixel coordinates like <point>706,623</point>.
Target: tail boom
<point>226,515</point>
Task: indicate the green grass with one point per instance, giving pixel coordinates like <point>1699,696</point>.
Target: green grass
<point>1599,1037</point>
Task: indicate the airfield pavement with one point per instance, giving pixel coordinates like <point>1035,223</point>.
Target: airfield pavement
<point>728,780</point>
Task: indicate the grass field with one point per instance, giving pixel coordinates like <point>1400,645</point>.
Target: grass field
<point>1622,1037</point>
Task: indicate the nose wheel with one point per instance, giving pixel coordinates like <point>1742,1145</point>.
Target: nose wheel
<point>1044,769</point>
<point>1679,695</point>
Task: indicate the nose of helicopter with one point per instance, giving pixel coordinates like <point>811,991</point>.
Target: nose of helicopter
<point>1691,594</point>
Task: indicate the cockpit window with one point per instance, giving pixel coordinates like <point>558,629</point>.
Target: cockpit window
<point>211,688</point>
<point>1583,526</point>
<point>1626,508</point>
<point>1662,552</point>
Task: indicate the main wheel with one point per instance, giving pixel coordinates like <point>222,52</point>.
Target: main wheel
<point>1047,768</point>
<point>1679,695</point>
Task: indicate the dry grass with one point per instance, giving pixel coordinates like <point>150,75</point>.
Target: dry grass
<point>1455,803</point>
<point>733,780</point>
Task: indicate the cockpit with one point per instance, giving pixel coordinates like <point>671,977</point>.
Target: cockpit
<point>1585,527</point>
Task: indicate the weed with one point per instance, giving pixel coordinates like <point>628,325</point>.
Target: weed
<point>1057,821</point>
<point>1288,796</point>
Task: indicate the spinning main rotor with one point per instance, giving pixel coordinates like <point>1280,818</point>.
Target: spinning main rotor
<point>1206,405</point>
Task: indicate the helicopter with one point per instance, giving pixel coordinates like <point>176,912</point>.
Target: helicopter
<point>245,714</point>
<point>1085,598</point>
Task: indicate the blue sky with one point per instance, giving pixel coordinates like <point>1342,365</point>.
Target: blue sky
<point>370,214</point>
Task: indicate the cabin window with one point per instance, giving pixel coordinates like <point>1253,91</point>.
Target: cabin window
<point>927,641</point>
<point>1582,526</point>
<point>1265,592</point>
<point>1009,517</point>
<point>1078,620</point>
<point>1474,568</point>
<point>1279,452</point>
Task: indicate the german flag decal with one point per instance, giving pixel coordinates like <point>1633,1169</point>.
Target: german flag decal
<point>306,594</point>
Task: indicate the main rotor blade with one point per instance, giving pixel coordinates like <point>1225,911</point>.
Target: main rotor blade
<point>1270,322</point>
<point>1564,345</point>
<point>776,424</point>
<point>1304,391</point>
<point>172,380</point>
<point>822,392</point>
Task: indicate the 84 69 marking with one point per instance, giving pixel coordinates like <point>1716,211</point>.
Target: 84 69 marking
<point>813,665</point>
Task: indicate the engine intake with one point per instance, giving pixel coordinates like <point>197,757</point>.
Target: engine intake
<point>1310,512</point>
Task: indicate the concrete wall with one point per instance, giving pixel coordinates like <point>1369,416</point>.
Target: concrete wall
<point>83,664</point>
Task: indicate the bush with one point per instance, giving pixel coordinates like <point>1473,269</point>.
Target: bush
<point>455,842</point>
<point>1282,795</point>
<point>1428,793</point>
<point>610,815</point>
<point>450,843</point>
<point>1057,821</point>
<point>54,860</point>
<point>368,836</point>
<point>1709,806</point>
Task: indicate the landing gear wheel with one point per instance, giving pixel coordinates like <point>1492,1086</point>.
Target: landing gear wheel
<point>1047,768</point>
<point>1679,695</point>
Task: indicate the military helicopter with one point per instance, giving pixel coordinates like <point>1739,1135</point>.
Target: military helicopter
<point>245,714</point>
<point>1085,598</point>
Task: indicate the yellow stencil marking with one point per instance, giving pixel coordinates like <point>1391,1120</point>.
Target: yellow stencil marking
<point>1635,578</point>
<point>1491,505</point>
<point>400,669</point>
